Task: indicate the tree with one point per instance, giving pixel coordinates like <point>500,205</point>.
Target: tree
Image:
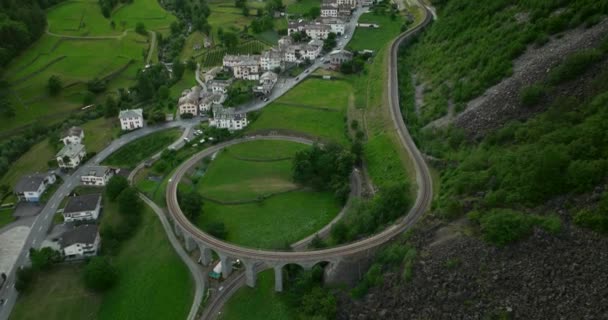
<point>54,85</point>
<point>129,202</point>
<point>217,229</point>
<point>191,204</point>
<point>44,258</point>
<point>110,108</point>
<point>330,42</point>
<point>99,274</point>
<point>115,186</point>
<point>6,108</point>
<point>141,28</point>
<point>178,70</point>
<point>163,92</point>
<point>25,277</point>
<point>314,13</point>
<point>230,40</point>
<point>191,64</point>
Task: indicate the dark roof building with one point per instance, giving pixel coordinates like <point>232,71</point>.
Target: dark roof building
<point>85,234</point>
<point>86,202</point>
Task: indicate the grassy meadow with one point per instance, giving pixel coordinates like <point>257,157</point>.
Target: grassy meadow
<point>315,107</point>
<point>240,173</point>
<point>259,303</point>
<point>131,154</point>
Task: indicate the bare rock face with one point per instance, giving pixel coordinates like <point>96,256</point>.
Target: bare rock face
<point>544,277</point>
<point>501,103</point>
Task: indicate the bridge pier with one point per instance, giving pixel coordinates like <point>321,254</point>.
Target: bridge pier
<point>178,230</point>
<point>206,255</point>
<point>250,274</point>
<point>226,266</point>
<point>190,243</point>
<point>278,278</point>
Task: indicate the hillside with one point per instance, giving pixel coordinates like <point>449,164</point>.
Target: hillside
<point>508,102</point>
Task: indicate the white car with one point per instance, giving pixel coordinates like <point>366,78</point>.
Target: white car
<point>202,140</point>
<point>346,37</point>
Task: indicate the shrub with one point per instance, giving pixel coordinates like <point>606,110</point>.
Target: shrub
<point>531,96</point>
<point>503,226</point>
<point>99,274</point>
<point>574,65</point>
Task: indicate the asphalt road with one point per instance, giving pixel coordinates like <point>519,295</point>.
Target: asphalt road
<point>43,221</point>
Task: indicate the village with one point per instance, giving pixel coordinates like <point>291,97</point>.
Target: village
<point>241,79</point>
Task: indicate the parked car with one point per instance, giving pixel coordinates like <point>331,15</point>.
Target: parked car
<point>265,99</point>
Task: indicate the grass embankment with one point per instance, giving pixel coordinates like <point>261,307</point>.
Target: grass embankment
<point>35,160</point>
<point>263,223</point>
<point>153,282</point>
<point>315,107</point>
<point>116,55</point>
<point>386,160</point>
<point>99,133</point>
<point>261,302</point>
<point>301,7</point>
<point>131,154</point>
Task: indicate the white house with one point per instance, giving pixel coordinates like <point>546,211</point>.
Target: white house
<point>97,176</point>
<point>270,60</point>
<point>336,25</point>
<point>71,155</point>
<point>219,86</point>
<point>350,3</point>
<point>317,30</point>
<point>81,242</point>
<point>228,118</point>
<point>31,187</point>
<point>73,135</point>
<point>329,10</point>
<point>267,82</point>
<point>337,57</point>
<point>82,208</point>
<point>131,119</point>
<point>188,102</point>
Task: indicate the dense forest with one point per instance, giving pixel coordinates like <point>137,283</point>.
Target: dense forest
<point>21,23</point>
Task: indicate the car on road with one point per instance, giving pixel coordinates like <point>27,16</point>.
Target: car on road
<point>307,70</point>
<point>265,99</point>
<point>187,139</point>
<point>298,78</point>
<point>323,59</point>
<point>346,37</point>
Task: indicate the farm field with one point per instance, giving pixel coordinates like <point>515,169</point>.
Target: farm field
<point>102,52</point>
<point>301,7</point>
<point>99,133</point>
<point>137,151</point>
<point>374,39</point>
<point>58,294</point>
<point>35,160</point>
<point>259,303</point>
<point>228,17</point>
<point>246,174</point>
<point>242,172</point>
<point>274,222</point>
<point>145,263</point>
<point>332,95</point>
<point>194,39</point>
<point>304,110</point>
<point>84,18</point>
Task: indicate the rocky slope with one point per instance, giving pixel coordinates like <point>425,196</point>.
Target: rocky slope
<point>501,103</point>
<point>460,277</point>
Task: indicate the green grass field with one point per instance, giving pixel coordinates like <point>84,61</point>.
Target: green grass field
<point>99,133</point>
<point>259,303</point>
<point>195,38</point>
<point>6,217</point>
<point>275,222</point>
<point>374,39</point>
<point>137,151</point>
<point>315,107</point>
<point>35,160</point>
<point>84,18</point>
<point>58,294</point>
<point>154,283</point>
<point>146,263</point>
<point>230,178</point>
<point>301,7</point>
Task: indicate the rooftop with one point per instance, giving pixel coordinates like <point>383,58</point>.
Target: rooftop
<point>131,113</point>
<point>73,131</point>
<point>86,202</point>
<point>30,182</point>
<point>82,234</point>
<point>97,171</point>
<point>70,150</point>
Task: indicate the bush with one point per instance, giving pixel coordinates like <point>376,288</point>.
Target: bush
<point>54,85</point>
<point>218,230</point>
<point>25,278</point>
<point>574,65</point>
<point>99,274</point>
<point>115,186</point>
<point>503,226</point>
<point>531,96</point>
